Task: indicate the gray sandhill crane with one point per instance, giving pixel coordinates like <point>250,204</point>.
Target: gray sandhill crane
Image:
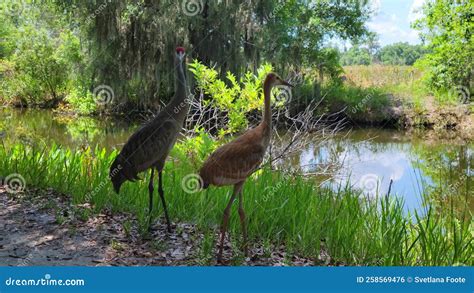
<point>149,146</point>
<point>233,163</point>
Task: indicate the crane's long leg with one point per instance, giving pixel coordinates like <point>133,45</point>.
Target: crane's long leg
<point>162,196</point>
<point>150,191</point>
<point>242,223</point>
<point>225,220</point>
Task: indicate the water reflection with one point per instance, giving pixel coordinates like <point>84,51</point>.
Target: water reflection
<point>42,127</point>
<point>366,159</point>
<point>369,159</point>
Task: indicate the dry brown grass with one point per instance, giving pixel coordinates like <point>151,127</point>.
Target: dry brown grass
<point>381,75</point>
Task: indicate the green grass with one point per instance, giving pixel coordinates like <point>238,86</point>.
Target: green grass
<point>294,212</point>
<point>385,85</point>
<point>357,101</point>
<point>404,82</point>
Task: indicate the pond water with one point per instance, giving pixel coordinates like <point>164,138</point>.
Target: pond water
<point>367,159</point>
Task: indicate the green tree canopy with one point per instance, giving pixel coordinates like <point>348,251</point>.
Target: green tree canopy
<point>356,56</point>
<point>131,43</point>
<point>400,54</point>
<point>447,27</point>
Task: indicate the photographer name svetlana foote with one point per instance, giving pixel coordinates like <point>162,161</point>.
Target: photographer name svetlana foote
<point>439,280</point>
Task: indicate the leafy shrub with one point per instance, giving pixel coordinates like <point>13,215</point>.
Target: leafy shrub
<point>447,26</point>
<point>39,56</point>
<point>82,101</point>
<point>235,98</point>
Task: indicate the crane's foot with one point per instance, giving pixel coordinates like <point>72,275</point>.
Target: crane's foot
<point>168,224</point>
<point>220,261</point>
<point>245,249</point>
<point>219,254</point>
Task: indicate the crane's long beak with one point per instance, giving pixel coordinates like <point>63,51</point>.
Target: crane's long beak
<point>286,83</point>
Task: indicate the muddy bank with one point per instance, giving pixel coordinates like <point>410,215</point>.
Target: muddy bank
<point>458,119</point>
<point>42,228</point>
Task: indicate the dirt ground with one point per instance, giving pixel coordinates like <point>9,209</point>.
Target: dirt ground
<point>42,228</point>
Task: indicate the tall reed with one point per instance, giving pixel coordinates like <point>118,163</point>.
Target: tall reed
<point>281,210</point>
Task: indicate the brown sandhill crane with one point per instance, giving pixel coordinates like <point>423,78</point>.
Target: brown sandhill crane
<point>232,163</point>
<point>150,145</point>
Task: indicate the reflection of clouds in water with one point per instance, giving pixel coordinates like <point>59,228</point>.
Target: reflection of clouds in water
<point>469,155</point>
<point>470,152</point>
<point>309,160</point>
<point>391,164</point>
<point>369,184</point>
<point>370,166</point>
<point>395,163</point>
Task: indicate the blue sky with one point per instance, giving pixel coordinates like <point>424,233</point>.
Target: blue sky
<point>392,20</point>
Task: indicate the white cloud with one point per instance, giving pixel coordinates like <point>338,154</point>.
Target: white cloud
<point>392,33</point>
<point>415,10</point>
<point>393,25</point>
<point>376,5</point>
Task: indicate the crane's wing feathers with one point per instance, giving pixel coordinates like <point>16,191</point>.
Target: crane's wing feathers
<point>232,163</point>
<point>149,145</point>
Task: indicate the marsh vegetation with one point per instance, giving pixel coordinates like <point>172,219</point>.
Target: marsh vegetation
<point>380,172</point>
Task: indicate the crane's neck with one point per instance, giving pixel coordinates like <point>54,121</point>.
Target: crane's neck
<point>180,79</point>
<point>267,112</point>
